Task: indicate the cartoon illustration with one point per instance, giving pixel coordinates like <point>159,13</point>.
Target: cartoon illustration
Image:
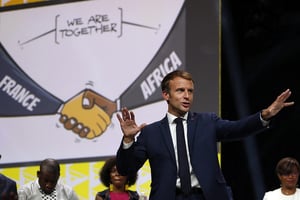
<point>65,89</point>
<point>96,114</point>
<point>88,114</point>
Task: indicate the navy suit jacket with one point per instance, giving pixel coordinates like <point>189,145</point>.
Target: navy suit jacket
<point>8,188</point>
<point>154,143</point>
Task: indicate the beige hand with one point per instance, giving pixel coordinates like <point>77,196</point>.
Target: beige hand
<point>128,125</point>
<point>277,105</point>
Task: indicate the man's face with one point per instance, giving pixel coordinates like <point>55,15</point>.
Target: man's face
<point>47,181</point>
<point>180,96</point>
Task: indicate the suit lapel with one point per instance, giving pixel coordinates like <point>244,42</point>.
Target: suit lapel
<point>166,134</point>
<point>191,130</point>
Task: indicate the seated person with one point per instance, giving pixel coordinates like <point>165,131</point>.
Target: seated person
<point>47,186</point>
<point>117,185</point>
<point>8,188</point>
<point>287,170</point>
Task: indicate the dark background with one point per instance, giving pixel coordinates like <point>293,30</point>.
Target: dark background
<point>260,59</point>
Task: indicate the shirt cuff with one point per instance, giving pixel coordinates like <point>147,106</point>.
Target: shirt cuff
<point>127,145</point>
<point>265,123</point>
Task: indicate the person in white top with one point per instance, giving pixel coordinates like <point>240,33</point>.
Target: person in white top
<point>47,185</point>
<point>287,171</point>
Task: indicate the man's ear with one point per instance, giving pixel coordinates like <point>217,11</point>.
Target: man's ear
<point>165,95</point>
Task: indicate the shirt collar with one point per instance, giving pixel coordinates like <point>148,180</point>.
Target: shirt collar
<point>172,117</point>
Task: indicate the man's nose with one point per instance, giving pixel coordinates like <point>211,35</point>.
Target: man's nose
<point>186,94</point>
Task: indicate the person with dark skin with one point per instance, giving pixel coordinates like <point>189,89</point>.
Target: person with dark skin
<point>8,188</point>
<point>287,171</point>
<point>157,143</point>
<point>116,183</point>
<point>47,186</point>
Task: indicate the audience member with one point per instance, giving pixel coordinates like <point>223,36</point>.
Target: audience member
<point>117,185</point>
<point>8,188</point>
<point>287,171</point>
<point>47,185</point>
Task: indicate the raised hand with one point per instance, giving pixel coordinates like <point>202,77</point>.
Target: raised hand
<point>128,125</point>
<point>277,105</point>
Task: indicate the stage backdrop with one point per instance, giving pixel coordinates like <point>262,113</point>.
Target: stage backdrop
<point>75,64</point>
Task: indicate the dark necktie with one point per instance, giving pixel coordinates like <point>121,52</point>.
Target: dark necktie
<point>184,171</point>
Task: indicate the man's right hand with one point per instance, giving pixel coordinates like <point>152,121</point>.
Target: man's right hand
<point>128,125</point>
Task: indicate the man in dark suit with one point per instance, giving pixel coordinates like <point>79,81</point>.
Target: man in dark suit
<point>157,142</point>
<point>8,188</point>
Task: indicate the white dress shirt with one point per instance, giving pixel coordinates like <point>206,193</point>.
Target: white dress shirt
<point>172,125</point>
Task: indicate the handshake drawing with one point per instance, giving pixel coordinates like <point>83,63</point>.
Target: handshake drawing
<point>88,114</point>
